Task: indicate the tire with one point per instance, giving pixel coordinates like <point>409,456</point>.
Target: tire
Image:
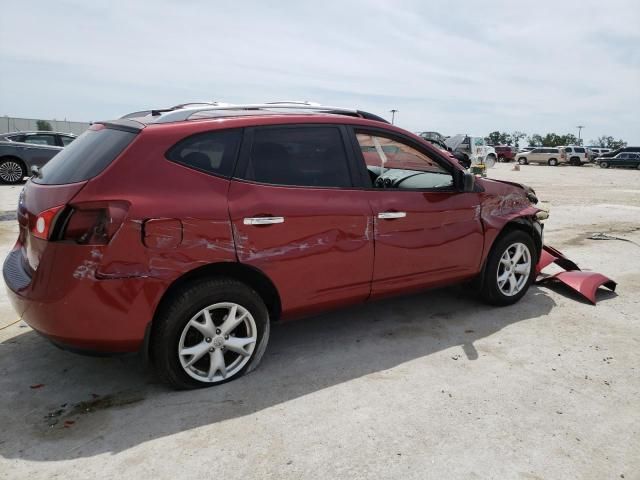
<point>604,164</point>
<point>12,171</point>
<point>553,162</point>
<point>490,161</point>
<point>523,161</point>
<point>492,291</point>
<point>174,331</point>
<point>575,161</point>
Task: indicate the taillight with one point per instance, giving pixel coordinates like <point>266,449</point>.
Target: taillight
<point>93,223</point>
<point>44,221</point>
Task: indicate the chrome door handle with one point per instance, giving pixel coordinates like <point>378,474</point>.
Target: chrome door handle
<point>262,220</point>
<point>389,215</point>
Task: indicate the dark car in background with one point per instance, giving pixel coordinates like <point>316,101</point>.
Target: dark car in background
<point>20,151</point>
<point>624,159</point>
<point>615,152</point>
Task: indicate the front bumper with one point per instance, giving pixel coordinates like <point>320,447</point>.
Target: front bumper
<point>79,311</point>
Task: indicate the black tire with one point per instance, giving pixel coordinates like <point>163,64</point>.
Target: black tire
<point>575,161</point>
<point>553,162</point>
<point>490,291</point>
<point>12,171</point>
<point>604,165</point>
<point>523,161</point>
<point>173,318</point>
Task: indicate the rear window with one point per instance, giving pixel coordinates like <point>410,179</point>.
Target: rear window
<point>85,157</point>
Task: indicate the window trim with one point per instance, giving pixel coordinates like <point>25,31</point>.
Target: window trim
<point>213,174</point>
<point>364,173</point>
<point>242,165</point>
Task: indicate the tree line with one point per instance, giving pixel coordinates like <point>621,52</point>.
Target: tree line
<point>550,140</point>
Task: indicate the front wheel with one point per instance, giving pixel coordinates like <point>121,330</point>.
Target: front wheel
<point>509,269</point>
<point>11,171</point>
<point>522,161</point>
<point>211,332</point>
<point>553,162</point>
<point>604,165</point>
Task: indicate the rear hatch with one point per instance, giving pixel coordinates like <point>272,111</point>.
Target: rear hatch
<point>45,210</point>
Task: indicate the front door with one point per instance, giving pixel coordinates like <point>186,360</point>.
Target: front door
<point>426,232</point>
<point>298,218</point>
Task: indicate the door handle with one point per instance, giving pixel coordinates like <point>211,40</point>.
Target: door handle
<point>391,215</point>
<point>262,220</point>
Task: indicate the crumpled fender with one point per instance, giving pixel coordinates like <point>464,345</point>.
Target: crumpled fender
<point>550,255</point>
<point>584,283</point>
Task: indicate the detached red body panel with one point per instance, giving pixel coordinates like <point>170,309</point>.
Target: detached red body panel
<point>584,283</point>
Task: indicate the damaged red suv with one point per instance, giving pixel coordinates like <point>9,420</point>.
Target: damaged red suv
<point>184,232</point>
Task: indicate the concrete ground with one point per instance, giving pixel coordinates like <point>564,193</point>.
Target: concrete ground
<point>434,385</point>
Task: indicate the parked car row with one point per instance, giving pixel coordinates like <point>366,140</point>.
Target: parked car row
<point>554,156</point>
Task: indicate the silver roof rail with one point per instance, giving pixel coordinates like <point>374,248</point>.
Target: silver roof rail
<point>185,113</point>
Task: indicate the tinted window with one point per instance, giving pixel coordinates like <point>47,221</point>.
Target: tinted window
<point>40,139</point>
<point>86,157</point>
<point>210,152</point>
<point>394,164</point>
<point>299,156</point>
<point>579,150</point>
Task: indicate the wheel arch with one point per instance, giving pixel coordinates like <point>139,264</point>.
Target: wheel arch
<point>16,158</point>
<point>246,274</point>
<point>523,223</point>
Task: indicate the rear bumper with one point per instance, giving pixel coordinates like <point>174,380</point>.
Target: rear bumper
<point>80,312</point>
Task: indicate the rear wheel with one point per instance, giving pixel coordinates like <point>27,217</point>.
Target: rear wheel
<point>604,164</point>
<point>522,160</point>
<point>212,332</point>
<point>11,171</point>
<point>509,269</point>
<point>575,161</point>
<point>552,162</point>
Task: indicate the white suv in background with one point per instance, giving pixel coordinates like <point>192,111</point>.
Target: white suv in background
<point>576,155</point>
<point>548,155</point>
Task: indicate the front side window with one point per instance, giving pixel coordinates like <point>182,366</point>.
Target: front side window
<point>395,164</point>
<point>40,140</point>
<point>210,152</point>
<point>298,156</point>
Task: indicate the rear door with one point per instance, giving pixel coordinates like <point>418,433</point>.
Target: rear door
<point>426,232</point>
<point>298,218</point>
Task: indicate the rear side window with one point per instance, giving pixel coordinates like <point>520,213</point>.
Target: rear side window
<point>299,156</point>
<point>210,152</point>
<point>579,150</point>
<point>43,139</point>
<point>85,157</point>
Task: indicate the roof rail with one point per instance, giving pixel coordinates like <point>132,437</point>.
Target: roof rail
<point>184,111</point>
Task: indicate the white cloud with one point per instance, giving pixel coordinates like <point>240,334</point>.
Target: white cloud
<point>540,67</point>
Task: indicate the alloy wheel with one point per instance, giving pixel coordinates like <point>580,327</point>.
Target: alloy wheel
<point>10,171</point>
<point>217,342</point>
<point>514,269</point>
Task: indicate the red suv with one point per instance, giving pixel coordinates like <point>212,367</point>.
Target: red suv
<point>184,232</point>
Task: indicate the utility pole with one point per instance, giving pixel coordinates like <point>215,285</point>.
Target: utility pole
<point>579,127</point>
<point>393,115</point>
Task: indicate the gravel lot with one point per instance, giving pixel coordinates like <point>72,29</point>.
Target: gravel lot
<point>434,385</point>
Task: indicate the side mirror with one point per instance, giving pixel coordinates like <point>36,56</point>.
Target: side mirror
<point>468,182</point>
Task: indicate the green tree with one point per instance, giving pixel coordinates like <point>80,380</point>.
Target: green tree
<point>516,136</point>
<point>43,125</point>
<point>535,140</point>
<point>607,141</point>
<point>499,138</point>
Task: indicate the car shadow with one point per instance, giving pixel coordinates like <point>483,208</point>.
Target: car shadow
<point>58,405</point>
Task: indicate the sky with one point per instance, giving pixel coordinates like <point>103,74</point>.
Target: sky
<point>453,67</point>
